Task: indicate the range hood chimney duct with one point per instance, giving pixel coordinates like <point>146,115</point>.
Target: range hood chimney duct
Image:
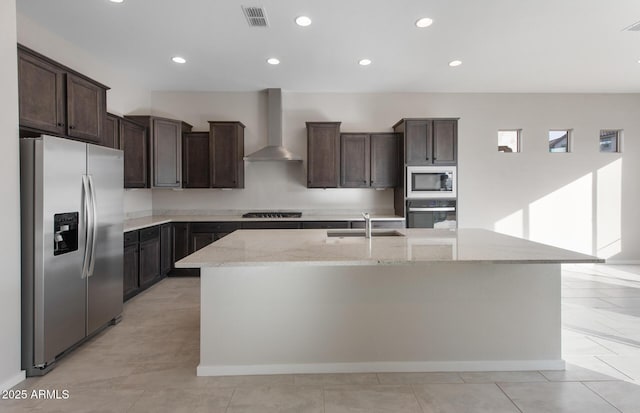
<point>274,151</point>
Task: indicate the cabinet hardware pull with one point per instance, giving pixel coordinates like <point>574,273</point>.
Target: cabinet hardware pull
<point>71,126</point>
<point>60,124</point>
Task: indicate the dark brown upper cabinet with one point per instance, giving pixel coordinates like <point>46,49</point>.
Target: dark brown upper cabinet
<point>385,160</point>
<point>55,99</point>
<point>355,160</point>
<point>135,144</point>
<point>226,147</point>
<point>369,160</point>
<point>323,154</point>
<point>429,141</point>
<point>195,160</point>
<point>165,137</point>
<point>86,109</point>
<point>111,131</point>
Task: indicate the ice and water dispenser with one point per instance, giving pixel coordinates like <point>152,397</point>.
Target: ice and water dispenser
<point>65,233</point>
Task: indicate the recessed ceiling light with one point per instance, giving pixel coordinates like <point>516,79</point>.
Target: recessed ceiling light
<point>424,22</point>
<point>273,61</point>
<point>303,21</point>
<point>178,59</point>
<point>116,1</point>
<point>455,63</point>
<point>364,62</point>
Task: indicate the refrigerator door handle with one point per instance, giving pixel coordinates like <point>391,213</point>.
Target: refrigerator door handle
<point>94,226</point>
<point>87,221</point>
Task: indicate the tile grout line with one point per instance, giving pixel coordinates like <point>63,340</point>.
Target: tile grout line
<point>507,396</point>
<point>415,396</point>
<point>613,367</point>
<point>600,396</point>
<point>226,409</point>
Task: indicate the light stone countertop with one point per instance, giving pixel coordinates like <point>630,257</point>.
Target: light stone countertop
<point>314,247</point>
<point>149,221</point>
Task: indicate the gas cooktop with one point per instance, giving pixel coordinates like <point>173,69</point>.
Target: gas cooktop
<point>272,214</point>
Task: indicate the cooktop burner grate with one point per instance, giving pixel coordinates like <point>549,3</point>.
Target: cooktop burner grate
<point>272,214</point>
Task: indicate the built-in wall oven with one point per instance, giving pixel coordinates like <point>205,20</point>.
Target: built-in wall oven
<point>431,213</point>
<point>431,182</point>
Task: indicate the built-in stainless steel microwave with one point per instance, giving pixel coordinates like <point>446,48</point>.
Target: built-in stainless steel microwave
<point>425,182</point>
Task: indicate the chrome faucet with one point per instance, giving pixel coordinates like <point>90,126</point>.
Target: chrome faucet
<point>367,224</point>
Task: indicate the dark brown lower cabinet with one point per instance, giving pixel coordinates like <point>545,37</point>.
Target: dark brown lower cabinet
<point>379,224</point>
<point>166,255</point>
<point>204,233</point>
<point>325,224</point>
<point>181,241</point>
<point>131,265</point>
<point>143,260</point>
<point>200,240</point>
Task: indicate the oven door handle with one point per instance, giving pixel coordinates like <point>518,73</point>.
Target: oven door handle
<point>438,209</point>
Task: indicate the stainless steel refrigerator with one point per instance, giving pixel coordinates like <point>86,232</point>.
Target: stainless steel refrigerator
<point>72,245</point>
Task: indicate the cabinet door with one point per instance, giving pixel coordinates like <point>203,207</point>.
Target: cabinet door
<point>166,253</point>
<point>41,94</point>
<point>418,142</point>
<point>180,240</point>
<point>201,239</point>
<point>384,160</point>
<point>130,270</point>
<point>167,153</point>
<point>86,109</point>
<point>323,155</point>
<point>111,134</point>
<point>195,160</point>
<point>227,153</point>
<point>149,261</point>
<point>445,137</point>
<point>133,141</point>
<point>354,160</point>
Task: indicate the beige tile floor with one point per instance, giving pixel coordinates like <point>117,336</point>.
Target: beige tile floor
<point>147,364</point>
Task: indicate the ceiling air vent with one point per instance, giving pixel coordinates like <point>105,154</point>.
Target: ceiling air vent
<point>256,16</point>
<point>635,27</point>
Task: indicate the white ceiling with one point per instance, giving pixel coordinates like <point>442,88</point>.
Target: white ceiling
<point>505,45</point>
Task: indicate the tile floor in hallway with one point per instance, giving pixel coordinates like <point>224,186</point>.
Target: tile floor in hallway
<point>147,364</point>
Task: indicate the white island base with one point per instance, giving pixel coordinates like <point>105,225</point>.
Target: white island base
<point>419,316</point>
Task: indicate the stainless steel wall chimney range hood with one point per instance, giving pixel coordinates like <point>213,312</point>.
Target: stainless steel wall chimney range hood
<point>274,151</point>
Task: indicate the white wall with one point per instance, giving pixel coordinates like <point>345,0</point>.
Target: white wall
<point>124,97</point>
<point>10,373</point>
<point>584,200</point>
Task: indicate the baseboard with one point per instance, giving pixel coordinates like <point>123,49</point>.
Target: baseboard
<point>381,367</point>
<point>7,384</point>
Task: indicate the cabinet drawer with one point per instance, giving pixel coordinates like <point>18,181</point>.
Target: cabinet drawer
<point>130,238</point>
<point>379,224</point>
<point>270,225</point>
<point>214,226</point>
<point>325,224</point>
<point>149,233</point>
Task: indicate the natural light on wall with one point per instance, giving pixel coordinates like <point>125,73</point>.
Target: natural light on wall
<point>608,207</point>
<point>564,218</point>
<point>511,225</point>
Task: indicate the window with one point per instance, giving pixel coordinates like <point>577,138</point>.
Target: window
<point>610,140</point>
<point>509,140</point>
<point>559,140</point>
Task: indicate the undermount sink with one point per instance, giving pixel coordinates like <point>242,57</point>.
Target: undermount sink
<point>360,233</point>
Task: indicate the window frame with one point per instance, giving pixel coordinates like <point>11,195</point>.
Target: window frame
<point>518,131</point>
<point>569,139</point>
<point>618,138</point>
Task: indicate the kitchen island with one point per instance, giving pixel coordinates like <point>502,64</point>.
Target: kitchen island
<point>317,301</point>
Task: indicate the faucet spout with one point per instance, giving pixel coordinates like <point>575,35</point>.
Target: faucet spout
<point>367,224</point>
